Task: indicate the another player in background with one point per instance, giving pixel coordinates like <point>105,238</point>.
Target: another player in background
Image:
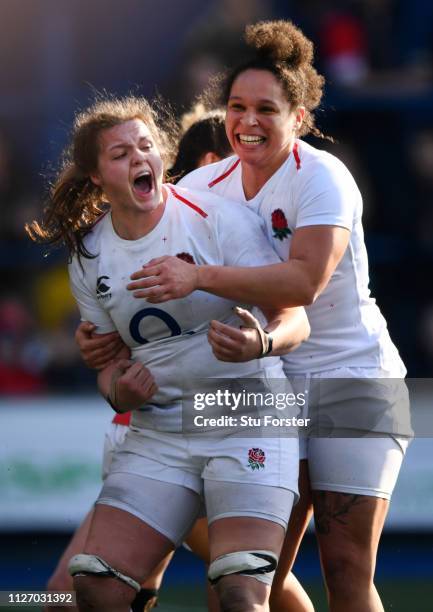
<point>61,580</point>
<point>115,156</point>
<point>202,141</point>
<point>312,209</point>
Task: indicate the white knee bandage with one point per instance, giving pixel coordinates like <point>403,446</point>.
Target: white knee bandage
<point>259,564</point>
<point>83,565</point>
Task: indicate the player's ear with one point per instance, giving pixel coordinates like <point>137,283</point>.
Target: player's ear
<point>300,114</point>
<point>96,179</point>
<point>208,158</point>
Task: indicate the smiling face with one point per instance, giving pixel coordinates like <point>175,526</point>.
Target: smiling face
<point>129,168</point>
<point>260,124</point>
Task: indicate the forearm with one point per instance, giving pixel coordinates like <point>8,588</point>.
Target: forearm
<point>278,285</point>
<point>105,375</point>
<point>314,254</point>
<point>104,379</point>
<point>289,328</point>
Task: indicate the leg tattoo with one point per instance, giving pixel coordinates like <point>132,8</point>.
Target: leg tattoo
<point>329,507</point>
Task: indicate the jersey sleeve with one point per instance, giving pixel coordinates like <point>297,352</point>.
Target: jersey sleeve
<point>327,196</point>
<point>202,177</point>
<point>242,237</point>
<point>90,309</point>
<point>197,179</point>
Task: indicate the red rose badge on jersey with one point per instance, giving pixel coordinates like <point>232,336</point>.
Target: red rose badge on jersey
<point>256,458</point>
<point>186,257</point>
<point>279,224</point>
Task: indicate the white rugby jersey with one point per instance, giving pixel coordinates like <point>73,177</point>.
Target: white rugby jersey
<point>313,187</point>
<point>171,338</point>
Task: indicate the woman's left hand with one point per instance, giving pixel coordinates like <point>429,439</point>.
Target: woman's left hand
<point>131,385</point>
<point>236,344</point>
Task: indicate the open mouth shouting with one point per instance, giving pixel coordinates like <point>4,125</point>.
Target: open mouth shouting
<point>143,184</point>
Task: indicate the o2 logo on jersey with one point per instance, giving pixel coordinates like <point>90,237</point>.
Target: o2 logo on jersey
<point>134,327</point>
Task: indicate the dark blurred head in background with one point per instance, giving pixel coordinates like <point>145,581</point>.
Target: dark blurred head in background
<point>203,140</point>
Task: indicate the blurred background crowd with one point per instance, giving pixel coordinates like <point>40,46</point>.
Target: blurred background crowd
<point>377,56</point>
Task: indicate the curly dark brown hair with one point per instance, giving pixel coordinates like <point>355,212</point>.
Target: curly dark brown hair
<point>282,49</point>
<point>74,202</point>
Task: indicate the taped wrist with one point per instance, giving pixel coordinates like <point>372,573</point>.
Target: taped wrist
<point>251,322</point>
<point>265,338</point>
<point>267,342</point>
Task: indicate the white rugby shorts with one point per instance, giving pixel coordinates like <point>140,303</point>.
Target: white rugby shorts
<point>365,462</point>
<point>114,437</point>
<point>162,478</point>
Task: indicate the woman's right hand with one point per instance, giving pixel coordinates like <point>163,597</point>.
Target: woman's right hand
<point>132,385</point>
<point>97,350</point>
<point>164,278</point>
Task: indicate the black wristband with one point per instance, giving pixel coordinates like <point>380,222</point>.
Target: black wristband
<point>270,342</point>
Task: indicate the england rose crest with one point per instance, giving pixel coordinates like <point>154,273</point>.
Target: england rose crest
<point>279,224</point>
<point>186,257</point>
<point>256,458</point>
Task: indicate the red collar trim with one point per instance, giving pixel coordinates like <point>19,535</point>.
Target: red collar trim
<point>225,175</point>
<point>187,202</point>
<point>236,163</point>
<point>296,156</point>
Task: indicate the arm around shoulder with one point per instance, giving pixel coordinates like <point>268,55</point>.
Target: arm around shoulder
<point>314,255</point>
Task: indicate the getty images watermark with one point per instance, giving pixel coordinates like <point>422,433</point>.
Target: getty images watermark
<point>243,401</point>
<point>302,406</point>
<point>243,407</point>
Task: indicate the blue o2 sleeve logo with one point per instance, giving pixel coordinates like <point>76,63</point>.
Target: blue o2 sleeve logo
<point>134,326</point>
